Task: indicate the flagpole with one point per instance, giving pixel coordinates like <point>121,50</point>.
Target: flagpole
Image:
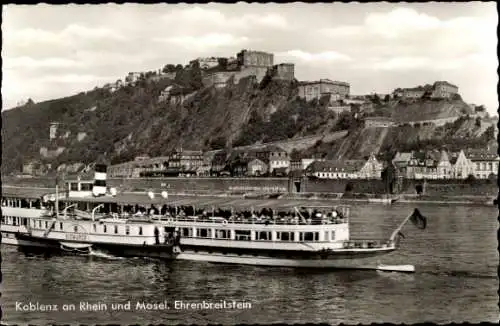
<point>57,196</point>
<point>398,229</point>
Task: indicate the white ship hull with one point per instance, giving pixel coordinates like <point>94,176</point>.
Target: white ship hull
<point>354,263</point>
<point>11,240</point>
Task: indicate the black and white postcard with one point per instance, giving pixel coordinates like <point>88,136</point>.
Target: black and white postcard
<point>249,163</point>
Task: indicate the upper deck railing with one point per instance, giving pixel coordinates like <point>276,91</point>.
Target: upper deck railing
<point>303,216</point>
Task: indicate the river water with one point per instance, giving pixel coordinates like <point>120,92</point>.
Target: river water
<point>456,262</point>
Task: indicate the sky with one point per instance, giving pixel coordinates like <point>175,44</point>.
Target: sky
<point>51,51</point>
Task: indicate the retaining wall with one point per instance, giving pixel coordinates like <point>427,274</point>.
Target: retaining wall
<point>246,185</point>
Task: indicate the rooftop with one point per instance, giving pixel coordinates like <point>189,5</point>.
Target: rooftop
<point>336,166</point>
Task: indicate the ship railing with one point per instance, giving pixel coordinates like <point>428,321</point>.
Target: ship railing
<point>367,244</point>
<point>245,220</point>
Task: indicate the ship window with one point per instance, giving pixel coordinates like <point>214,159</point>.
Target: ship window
<point>127,229</point>
<point>187,232</point>
<point>285,236</point>
<point>140,230</point>
<point>60,225</point>
<point>204,233</point>
<point>94,227</point>
<point>104,228</point>
<point>223,234</point>
<point>263,235</point>
<point>333,235</point>
<point>116,229</point>
<point>242,234</point>
<point>309,236</point>
<point>75,228</point>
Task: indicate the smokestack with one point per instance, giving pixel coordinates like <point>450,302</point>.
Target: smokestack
<point>99,188</point>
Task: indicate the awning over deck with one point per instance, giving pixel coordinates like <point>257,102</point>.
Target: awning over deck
<point>25,192</point>
<point>142,199</point>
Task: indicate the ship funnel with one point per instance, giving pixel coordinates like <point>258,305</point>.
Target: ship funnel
<point>99,188</point>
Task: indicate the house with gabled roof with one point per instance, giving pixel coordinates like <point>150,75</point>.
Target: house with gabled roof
<point>248,166</point>
<point>274,156</point>
<point>372,168</point>
<point>335,169</point>
<point>462,167</point>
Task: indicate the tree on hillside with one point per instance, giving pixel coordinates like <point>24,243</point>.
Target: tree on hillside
<point>169,68</point>
<point>388,178</point>
<point>478,122</point>
<point>387,98</point>
<point>222,62</point>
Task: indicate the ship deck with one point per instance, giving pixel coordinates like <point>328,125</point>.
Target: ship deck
<point>206,202</point>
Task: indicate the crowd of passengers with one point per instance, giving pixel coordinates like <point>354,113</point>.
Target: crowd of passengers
<point>265,215</point>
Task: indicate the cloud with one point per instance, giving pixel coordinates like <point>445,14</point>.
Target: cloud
<point>370,46</point>
<point>84,79</point>
<point>319,57</point>
<point>30,63</point>
<point>402,63</point>
<point>206,41</point>
<point>399,22</point>
<point>202,18</point>
<point>70,35</point>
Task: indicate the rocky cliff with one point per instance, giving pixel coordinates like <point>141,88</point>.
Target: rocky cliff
<point>118,125</point>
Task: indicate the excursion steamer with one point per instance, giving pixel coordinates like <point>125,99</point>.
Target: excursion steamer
<point>96,218</point>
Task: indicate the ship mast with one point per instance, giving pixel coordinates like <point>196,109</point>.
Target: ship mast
<point>57,196</point>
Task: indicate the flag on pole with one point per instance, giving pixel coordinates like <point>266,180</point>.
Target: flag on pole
<point>418,219</point>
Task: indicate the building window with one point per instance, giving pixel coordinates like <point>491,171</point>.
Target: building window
<point>127,229</point>
<point>60,225</point>
<point>94,227</point>
<point>332,232</point>
<point>104,228</point>
<point>140,230</point>
<point>326,236</point>
<point>75,228</point>
<point>46,224</point>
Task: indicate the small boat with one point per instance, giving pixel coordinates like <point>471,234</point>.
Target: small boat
<point>76,245</point>
<point>396,268</point>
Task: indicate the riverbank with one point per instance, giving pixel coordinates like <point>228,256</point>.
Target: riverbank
<point>141,194</point>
